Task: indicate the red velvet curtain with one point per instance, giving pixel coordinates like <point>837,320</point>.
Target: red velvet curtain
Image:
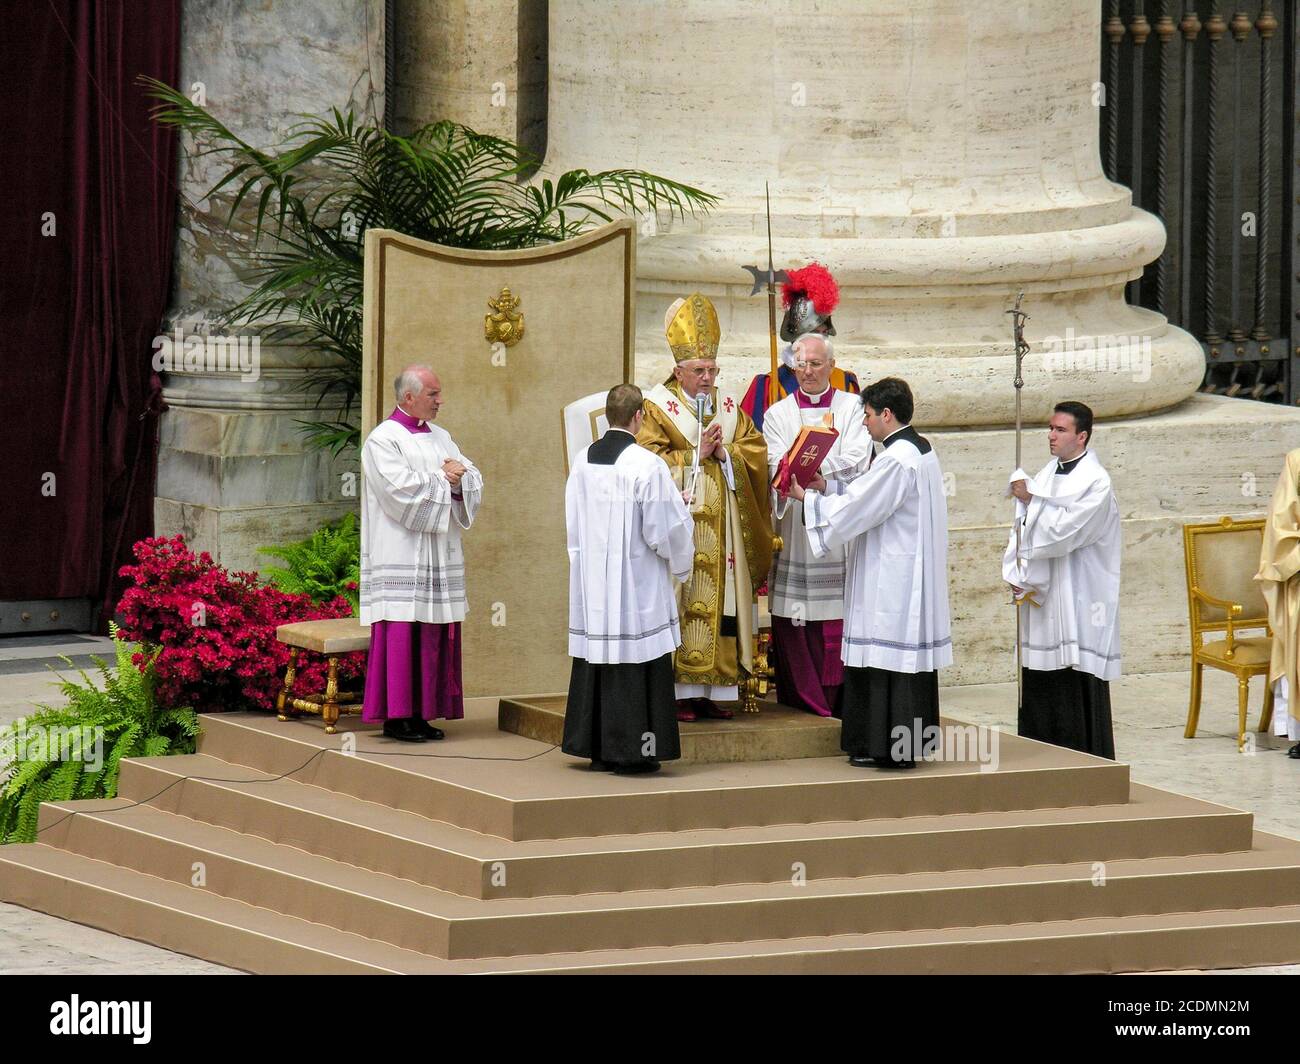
<point>86,257</point>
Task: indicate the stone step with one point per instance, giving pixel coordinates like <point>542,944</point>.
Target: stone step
<point>1243,938</point>
<point>203,924</point>
<point>195,922</point>
<point>508,786</point>
<point>399,843</point>
<point>427,920</point>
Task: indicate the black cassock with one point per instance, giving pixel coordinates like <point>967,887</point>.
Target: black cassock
<point>1067,707</point>
<point>613,708</point>
<point>621,714</point>
<point>877,702</point>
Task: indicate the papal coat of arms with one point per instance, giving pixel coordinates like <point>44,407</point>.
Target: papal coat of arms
<point>505,325</point>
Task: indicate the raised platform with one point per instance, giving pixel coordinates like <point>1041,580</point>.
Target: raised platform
<point>776,733</point>
<point>278,848</point>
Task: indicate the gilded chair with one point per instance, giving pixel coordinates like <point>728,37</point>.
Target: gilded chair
<point>1223,598</point>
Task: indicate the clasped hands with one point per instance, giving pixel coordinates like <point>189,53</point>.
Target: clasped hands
<point>453,471</point>
<point>711,442</point>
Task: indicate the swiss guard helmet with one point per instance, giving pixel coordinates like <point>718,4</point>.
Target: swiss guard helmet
<point>809,296</point>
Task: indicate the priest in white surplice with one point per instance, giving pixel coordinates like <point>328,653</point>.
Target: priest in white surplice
<point>630,535</point>
<point>1067,562</point>
<point>420,492</point>
<point>806,594</point>
<point>893,520</point>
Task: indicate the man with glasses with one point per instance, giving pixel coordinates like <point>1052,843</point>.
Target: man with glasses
<point>809,295</point>
<point>714,453</point>
<point>806,593</point>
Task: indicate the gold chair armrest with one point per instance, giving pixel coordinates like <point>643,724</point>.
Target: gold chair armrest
<point>1232,609</point>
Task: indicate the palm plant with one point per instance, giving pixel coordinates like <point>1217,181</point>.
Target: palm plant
<point>333,178</point>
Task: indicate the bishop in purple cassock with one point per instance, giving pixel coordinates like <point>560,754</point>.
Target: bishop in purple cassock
<point>420,494</point>
<point>805,593</point>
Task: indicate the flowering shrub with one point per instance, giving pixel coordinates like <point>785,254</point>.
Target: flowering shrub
<point>215,630</point>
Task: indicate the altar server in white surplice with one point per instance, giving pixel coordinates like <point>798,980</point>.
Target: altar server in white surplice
<point>805,593</point>
<point>630,536</point>
<point>420,492</point>
<point>1068,563</point>
<point>893,520</point>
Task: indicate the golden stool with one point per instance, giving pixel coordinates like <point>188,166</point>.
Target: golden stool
<point>342,635</point>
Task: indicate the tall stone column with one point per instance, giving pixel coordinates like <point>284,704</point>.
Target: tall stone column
<point>458,60</point>
<point>938,158</point>
<point>233,472</point>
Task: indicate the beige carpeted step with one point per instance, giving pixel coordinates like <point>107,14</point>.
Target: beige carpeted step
<point>250,938</point>
<point>279,848</point>
<point>487,788</point>
<point>448,925</point>
<point>181,918</point>
<point>399,843</point>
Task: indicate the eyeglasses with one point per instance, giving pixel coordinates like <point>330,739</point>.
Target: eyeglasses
<point>704,371</point>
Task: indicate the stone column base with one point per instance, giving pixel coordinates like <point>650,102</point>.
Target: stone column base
<point>232,481</point>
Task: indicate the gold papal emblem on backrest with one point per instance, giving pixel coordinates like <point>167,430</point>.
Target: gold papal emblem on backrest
<point>505,325</point>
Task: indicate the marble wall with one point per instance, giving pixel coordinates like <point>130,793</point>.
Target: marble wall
<point>234,473</point>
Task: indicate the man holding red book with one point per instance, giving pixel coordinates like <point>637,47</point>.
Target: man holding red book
<point>817,428</point>
<point>893,522</point>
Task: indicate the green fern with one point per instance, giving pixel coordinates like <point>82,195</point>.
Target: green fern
<point>325,565</point>
<point>118,718</point>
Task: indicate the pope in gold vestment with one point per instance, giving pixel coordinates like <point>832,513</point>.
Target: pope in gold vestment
<point>731,508</point>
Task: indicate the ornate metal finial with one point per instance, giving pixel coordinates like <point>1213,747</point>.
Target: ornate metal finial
<point>1266,24</point>
<point>1018,319</point>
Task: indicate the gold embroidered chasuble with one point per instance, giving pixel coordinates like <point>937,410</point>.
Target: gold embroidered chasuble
<point>733,531</point>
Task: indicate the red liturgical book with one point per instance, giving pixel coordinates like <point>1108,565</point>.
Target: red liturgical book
<point>804,457</point>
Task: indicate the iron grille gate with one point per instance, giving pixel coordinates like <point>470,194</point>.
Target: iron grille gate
<point>1199,120</point>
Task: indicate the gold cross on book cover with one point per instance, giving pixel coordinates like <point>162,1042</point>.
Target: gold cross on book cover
<point>804,458</point>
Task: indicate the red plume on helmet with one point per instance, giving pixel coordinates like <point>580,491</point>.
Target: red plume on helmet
<point>816,283</point>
